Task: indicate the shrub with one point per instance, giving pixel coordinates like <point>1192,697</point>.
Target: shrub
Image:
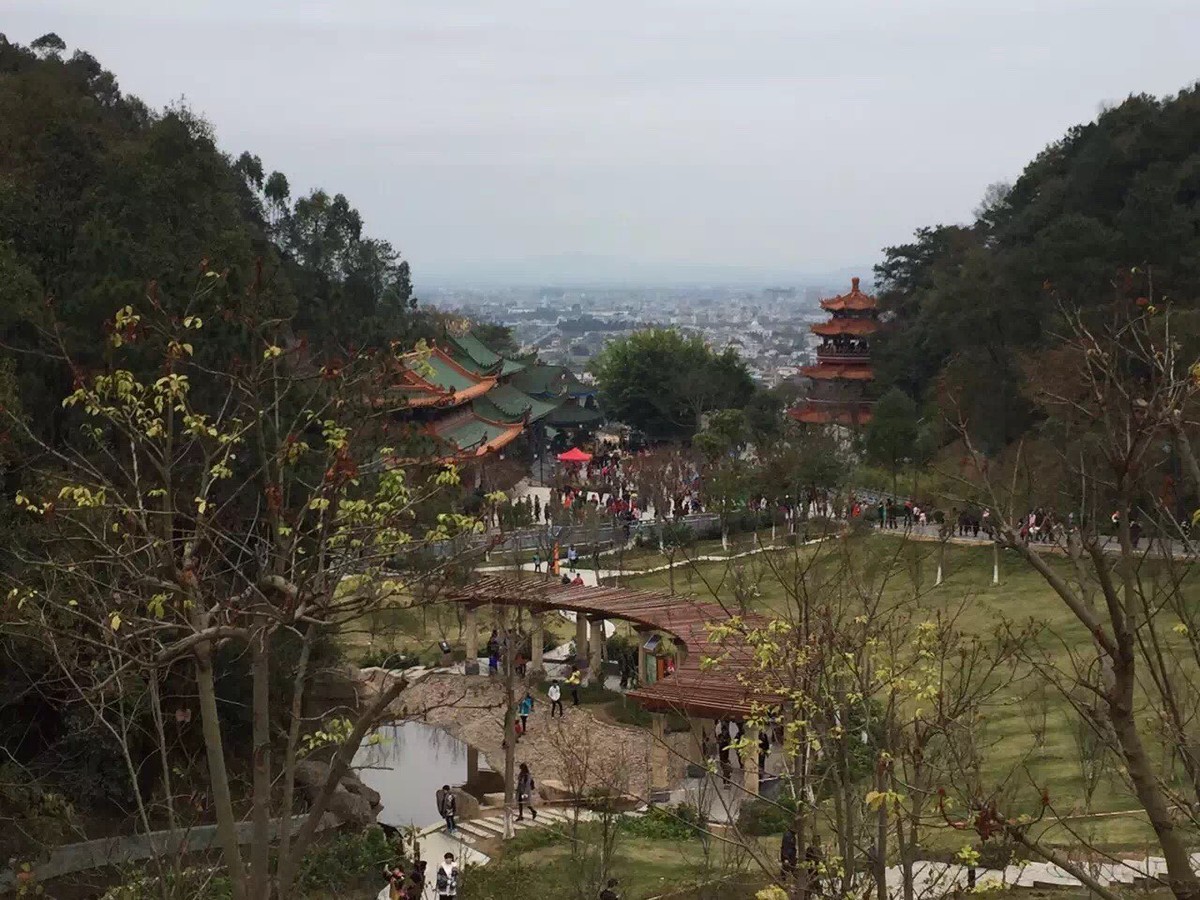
<point>345,859</point>
<point>675,823</point>
<point>760,816</point>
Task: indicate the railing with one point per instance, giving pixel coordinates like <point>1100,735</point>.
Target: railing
<point>842,356</point>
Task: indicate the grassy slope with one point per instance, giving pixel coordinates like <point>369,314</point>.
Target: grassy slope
<point>1012,755</point>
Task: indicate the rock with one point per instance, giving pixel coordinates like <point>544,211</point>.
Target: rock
<point>552,790</point>
<point>495,800</point>
<point>352,802</point>
<point>311,773</point>
<point>351,782</point>
<point>351,809</point>
<point>467,805</point>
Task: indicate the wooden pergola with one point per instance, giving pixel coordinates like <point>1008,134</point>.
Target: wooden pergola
<point>721,688</point>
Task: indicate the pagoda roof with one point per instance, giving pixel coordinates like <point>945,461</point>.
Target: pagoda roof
<point>468,435</point>
<point>817,412</point>
<point>473,353</point>
<point>568,413</point>
<point>550,381</point>
<point>435,378</point>
<point>854,327</point>
<point>854,300</point>
<point>826,371</point>
<point>504,403</point>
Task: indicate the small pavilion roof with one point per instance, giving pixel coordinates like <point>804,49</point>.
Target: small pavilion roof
<point>714,690</point>
<point>854,300</point>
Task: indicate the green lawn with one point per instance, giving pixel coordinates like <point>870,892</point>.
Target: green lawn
<point>1015,763</point>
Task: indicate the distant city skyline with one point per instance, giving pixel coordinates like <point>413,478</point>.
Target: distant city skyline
<point>637,141</point>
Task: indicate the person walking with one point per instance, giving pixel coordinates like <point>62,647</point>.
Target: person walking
<point>449,810</point>
<point>537,562</point>
<point>525,788</point>
<point>610,890</point>
<point>788,856</point>
<point>573,682</point>
<point>572,556</point>
<point>555,695</point>
<point>447,878</point>
<point>524,710</point>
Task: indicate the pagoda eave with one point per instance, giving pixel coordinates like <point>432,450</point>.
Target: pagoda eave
<point>850,327</point>
<point>826,372</point>
<point>816,413</point>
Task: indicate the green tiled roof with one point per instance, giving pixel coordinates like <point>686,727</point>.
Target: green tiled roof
<point>550,381</point>
<point>477,356</point>
<point>570,413</point>
<point>506,404</point>
<point>437,371</point>
<point>466,431</point>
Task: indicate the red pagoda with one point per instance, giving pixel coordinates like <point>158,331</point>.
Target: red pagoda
<point>841,379</point>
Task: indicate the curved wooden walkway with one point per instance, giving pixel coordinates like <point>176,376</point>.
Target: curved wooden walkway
<point>719,690</point>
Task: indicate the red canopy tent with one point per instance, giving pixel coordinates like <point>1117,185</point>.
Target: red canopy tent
<point>574,455</point>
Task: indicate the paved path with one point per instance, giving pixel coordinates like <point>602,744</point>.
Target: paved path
<point>435,843</point>
<point>931,879</point>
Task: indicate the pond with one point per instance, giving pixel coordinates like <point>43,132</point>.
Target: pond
<point>407,764</point>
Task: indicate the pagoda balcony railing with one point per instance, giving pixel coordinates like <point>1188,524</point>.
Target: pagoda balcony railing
<point>834,355</point>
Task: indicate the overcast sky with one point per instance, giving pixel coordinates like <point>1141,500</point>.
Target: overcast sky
<point>670,136</point>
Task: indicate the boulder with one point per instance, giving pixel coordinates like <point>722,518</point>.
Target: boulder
<point>352,802</point>
<point>552,791</point>
<point>351,782</point>
<point>351,809</point>
<point>494,800</point>
<point>311,773</point>
<point>467,805</point>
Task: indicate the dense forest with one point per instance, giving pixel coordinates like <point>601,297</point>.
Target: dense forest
<point>101,196</point>
<point>1111,208</point>
<point>107,204</point>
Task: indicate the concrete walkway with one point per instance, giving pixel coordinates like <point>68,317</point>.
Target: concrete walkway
<point>931,879</point>
<point>435,842</point>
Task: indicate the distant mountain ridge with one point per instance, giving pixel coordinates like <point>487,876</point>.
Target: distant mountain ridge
<point>596,270</point>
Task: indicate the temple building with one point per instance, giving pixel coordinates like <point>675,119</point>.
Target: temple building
<point>469,402</point>
<point>841,380</point>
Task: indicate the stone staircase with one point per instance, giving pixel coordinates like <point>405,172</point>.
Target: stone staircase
<point>473,832</point>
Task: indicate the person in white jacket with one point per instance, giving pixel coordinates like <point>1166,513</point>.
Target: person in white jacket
<point>447,879</point>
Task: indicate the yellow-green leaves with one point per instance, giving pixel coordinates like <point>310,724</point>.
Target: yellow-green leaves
<point>194,322</point>
<point>273,351</point>
<point>114,620</point>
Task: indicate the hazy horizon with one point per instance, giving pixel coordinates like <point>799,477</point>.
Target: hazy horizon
<point>649,142</point>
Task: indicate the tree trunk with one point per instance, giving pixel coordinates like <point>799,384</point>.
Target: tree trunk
<point>337,768</point>
<point>1182,880</point>
<point>995,563</point>
<point>214,751</point>
<point>510,722</point>
<point>260,845</point>
<point>293,741</point>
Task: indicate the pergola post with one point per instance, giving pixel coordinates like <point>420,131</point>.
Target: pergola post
<point>471,635</point>
<point>581,640</point>
<point>750,773</point>
<point>696,746</point>
<point>597,650</point>
<point>643,636</point>
<point>660,779</point>
<point>537,641</point>
<point>472,763</point>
